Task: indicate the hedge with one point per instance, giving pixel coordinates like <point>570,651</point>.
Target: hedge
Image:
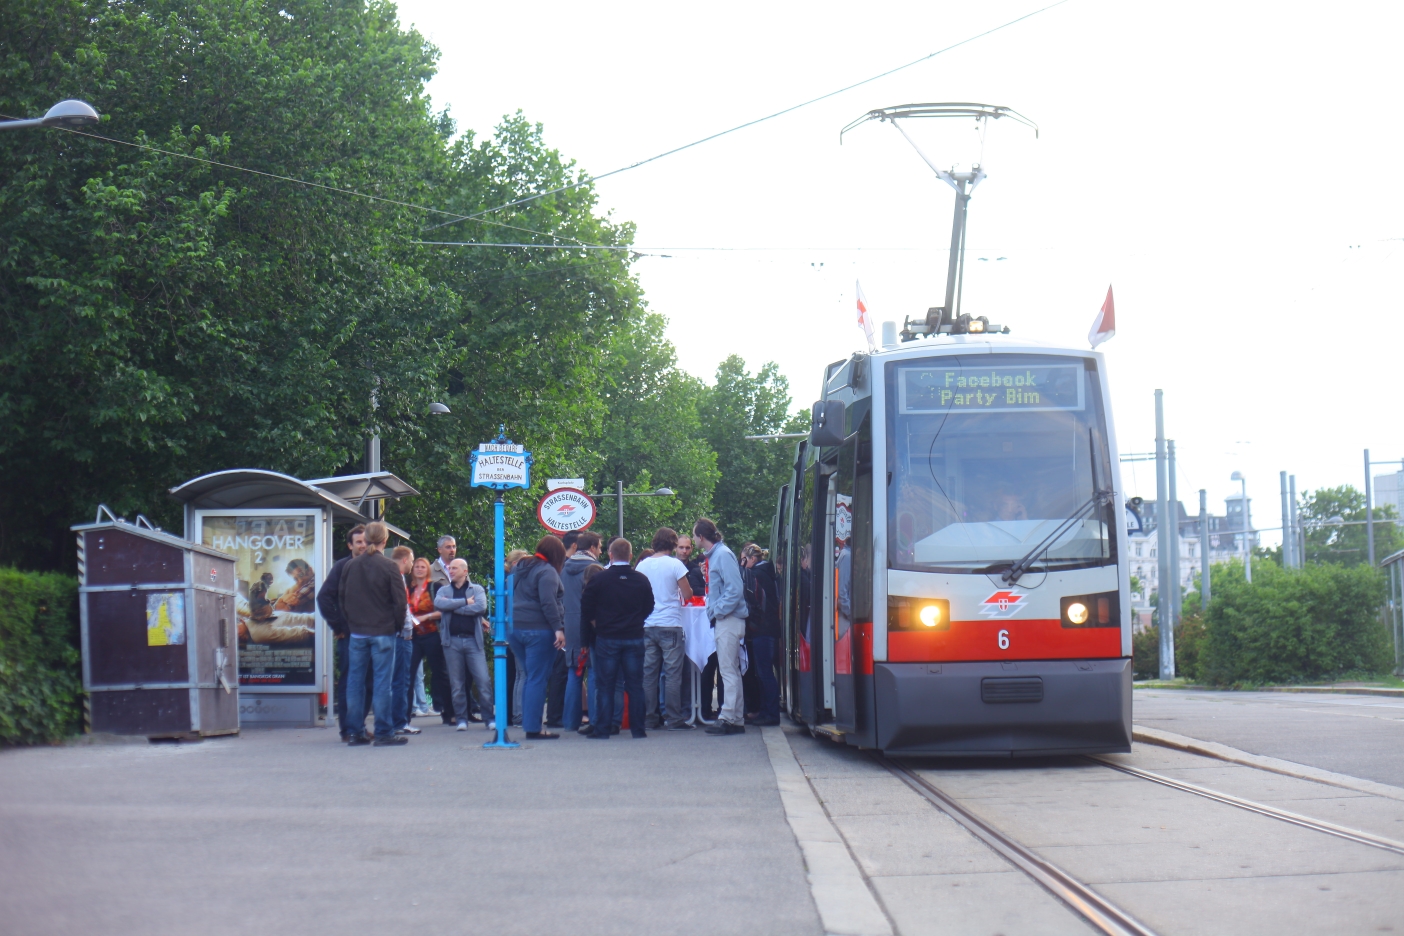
<point>41,686</point>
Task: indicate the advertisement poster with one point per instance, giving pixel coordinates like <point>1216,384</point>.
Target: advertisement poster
<point>277,569</point>
<point>165,619</point>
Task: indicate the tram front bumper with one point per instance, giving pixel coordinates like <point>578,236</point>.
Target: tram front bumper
<point>1023,709</point>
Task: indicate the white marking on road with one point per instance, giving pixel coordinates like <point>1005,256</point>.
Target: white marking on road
<point>846,905</point>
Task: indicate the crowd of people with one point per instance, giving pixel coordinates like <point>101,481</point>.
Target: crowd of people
<point>592,627</point>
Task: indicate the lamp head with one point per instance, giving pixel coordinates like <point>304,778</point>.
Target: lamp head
<point>70,113</point>
<point>664,492</point>
<point>1237,476</point>
<point>438,409</point>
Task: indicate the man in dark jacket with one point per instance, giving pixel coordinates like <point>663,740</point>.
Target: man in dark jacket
<point>762,633</point>
<point>372,599</point>
<point>586,554</point>
<point>613,608</point>
<point>330,606</point>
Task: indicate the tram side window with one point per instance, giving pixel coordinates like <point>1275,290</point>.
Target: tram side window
<point>991,455</point>
<point>802,582</point>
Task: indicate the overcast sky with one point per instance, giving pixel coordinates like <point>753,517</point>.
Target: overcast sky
<point>1233,170</point>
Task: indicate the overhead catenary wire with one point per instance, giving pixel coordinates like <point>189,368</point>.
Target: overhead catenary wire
<point>751,123</point>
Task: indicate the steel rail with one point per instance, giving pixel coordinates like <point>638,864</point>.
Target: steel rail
<point>1105,916</point>
<point>1306,822</point>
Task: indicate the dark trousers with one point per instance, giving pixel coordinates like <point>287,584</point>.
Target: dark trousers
<point>343,675</point>
<point>613,657</point>
<point>763,651</point>
<point>429,650</point>
<point>709,679</point>
<point>555,690</point>
<point>750,680</point>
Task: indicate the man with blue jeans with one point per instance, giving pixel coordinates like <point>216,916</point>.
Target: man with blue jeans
<point>372,599</point>
<point>613,609</point>
<point>581,555</point>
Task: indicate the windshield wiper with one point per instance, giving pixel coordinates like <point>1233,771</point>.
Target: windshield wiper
<point>1015,572</point>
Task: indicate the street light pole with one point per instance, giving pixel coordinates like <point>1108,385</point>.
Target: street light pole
<point>619,493</point>
<point>1204,550</point>
<point>70,113</point>
<point>1369,512</point>
<point>1162,540</point>
<point>1247,548</point>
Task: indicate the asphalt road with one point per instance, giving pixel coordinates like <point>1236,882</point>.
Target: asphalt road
<point>1362,736</point>
<point>290,831</point>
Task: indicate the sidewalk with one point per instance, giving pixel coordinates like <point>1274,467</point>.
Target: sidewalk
<point>291,831</point>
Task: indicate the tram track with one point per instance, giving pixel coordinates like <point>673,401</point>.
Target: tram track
<point>1097,910</point>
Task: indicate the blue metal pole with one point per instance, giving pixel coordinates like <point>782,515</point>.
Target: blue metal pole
<point>499,628</point>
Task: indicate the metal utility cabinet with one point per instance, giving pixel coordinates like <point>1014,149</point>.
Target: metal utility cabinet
<point>158,632</point>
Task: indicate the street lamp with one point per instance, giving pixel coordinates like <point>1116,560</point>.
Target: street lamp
<point>438,409</point>
<point>64,114</point>
<point>1247,549</point>
<point>620,493</point>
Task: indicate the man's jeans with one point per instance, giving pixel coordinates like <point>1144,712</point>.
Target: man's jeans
<point>379,654</point>
<point>730,632</point>
<point>465,658</point>
<point>343,675</point>
<point>611,658</point>
<point>596,706</point>
<point>574,705</point>
<point>663,649</point>
<point>763,665</point>
<point>400,686</point>
<point>534,649</point>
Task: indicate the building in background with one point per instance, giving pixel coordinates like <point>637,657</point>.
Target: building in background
<point>1389,489</point>
<point>1225,542</point>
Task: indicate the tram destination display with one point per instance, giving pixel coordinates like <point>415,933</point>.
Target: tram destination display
<point>973,389</point>
<point>277,570</point>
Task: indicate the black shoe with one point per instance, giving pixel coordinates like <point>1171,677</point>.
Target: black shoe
<point>541,735</point>
<point>391,741</point>
<point>597,736</point>
<point>654,726</point>
<point>735,729</point>
<point>640,734</point>
<point>680,726</point>
<point>357,740</point>
<point>585,729</point>
<point>718,729</point>
<point>554,724</point>
<point>765,722</point>
<point>614,729</point>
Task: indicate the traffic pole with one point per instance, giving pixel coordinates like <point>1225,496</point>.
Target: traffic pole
<point>499,625</point>
<point>1162,541</point>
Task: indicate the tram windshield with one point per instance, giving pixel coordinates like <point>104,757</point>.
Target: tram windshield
<point>991,455</point>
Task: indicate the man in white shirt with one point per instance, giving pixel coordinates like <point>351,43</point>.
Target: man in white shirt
<point>439,569</point>
<point>663,631</point>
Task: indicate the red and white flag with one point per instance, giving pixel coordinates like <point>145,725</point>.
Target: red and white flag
<point>1104,326</point>
<point>865,320</point>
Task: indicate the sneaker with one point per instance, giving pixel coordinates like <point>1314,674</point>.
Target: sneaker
<point>492,725</point>
<point>357,740</point>
<point>410,729</point>
<point>735,729</point>
<point>391,741</point>
<point>420,713</point>
<point>681,726</point>
<point>462,726</point>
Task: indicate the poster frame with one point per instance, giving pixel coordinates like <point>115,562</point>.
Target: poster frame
<point>320,683</point>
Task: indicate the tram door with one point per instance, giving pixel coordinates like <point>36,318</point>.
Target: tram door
<point>805,642</point>
<point>849,584</point>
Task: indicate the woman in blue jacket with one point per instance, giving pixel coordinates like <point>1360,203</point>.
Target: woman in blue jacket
<point>538,626</point>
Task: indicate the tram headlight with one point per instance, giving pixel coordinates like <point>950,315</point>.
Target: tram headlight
<point>922,615</point>
<point>1102,610</point>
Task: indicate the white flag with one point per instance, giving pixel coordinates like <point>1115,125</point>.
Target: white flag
<point>865,320</point>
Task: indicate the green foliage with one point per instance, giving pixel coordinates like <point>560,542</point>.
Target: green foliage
<point>1293,625</point>
<point>40,686</point>
<point>1145,650</point>
<point>1345,545</point>
<point>751,472</point>
<point>1145,653</point>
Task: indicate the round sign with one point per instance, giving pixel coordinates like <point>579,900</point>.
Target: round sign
<point>566,509</point>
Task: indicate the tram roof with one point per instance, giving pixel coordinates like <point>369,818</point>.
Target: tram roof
<point>978,344</point>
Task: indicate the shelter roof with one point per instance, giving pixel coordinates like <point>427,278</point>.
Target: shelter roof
<point>254,487</point>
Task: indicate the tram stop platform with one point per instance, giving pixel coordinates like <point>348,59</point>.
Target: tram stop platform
<point>292,831</point>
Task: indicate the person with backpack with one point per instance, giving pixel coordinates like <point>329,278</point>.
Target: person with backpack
<point>463,635</point>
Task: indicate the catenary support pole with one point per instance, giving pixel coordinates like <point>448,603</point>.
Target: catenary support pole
<point>1162,543</point>
<point>619,499</point>
<point>1369,512</point>
<point>1204,550</point>
<point>1298,541</point>
<point>499,626</point>
<point>1286,524</point>
<point>1177,596</point>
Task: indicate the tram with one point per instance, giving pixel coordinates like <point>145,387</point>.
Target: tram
<point>953,549</point>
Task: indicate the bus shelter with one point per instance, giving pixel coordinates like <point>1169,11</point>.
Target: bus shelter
<point>1394,609</point>
<point>279,530</point>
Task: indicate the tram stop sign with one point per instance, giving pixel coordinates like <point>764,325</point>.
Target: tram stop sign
<point>566,509</point>
<point>500,465</point>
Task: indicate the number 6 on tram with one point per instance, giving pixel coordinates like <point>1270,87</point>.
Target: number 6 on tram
<point>953,554</point>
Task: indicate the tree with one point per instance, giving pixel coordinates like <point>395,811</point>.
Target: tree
<point>1332,542</point>
<point>752,473</point>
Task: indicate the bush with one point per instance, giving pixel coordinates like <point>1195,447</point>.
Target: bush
<point>1145,650</point>
<point>1294,625</point>
<point>41,683</point>
<point>1145,653</point>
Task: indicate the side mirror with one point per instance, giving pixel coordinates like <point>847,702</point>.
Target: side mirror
<point>826,423</point>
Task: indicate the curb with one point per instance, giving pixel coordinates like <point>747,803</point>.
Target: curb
<point>1272,764</point>
<point>1338,690</point>
<point>846,906</point>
